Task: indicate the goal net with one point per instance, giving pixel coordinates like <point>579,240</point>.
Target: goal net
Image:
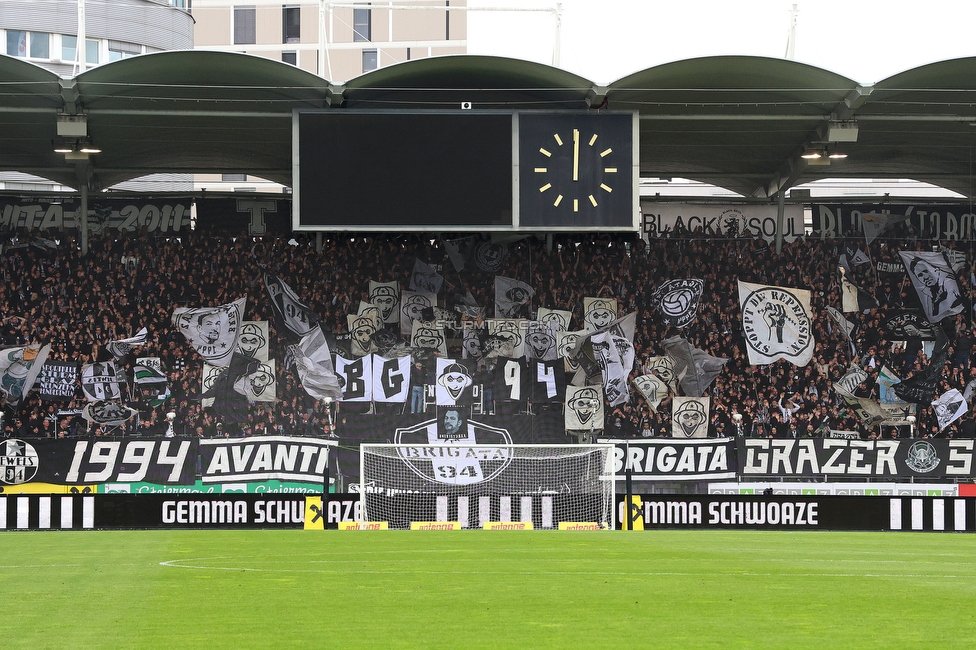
<point>474,484</point>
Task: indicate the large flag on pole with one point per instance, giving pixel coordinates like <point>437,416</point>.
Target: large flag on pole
<point>677,300</point>
<point>949,407</point>
<point>313,361</point>
<point>777,324</point>
<point>694,368</point>
<point>935,283</point>
<point>19,368</point>
<point>122,347</point>
<point>510,295</point>
<point>290,313</point>
<point>212,331</point>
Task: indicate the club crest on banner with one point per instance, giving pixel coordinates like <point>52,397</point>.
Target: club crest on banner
<point>776,323</point>
<point>18,462</point>
<point>678,301</point>
<point>488,256</point>
<point>456,462</point>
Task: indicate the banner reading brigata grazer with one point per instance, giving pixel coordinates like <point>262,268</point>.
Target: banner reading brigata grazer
<point>674,460</point>
<point>867,459</point>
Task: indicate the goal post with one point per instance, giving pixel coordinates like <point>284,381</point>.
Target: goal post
<point>476,483</point>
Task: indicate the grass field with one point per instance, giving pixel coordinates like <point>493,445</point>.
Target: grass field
<point>300,589</point>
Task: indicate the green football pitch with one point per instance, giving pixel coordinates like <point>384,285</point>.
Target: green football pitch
<point>302,589</point>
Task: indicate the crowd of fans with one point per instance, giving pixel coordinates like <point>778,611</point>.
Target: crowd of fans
<point>79,303</point>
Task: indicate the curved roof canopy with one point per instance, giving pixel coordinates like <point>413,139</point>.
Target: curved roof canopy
<point>737,122</point>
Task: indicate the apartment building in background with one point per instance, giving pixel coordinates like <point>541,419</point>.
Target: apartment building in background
<point>335,40</point>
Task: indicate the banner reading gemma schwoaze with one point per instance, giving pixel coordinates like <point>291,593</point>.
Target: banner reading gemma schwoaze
<point>777,324</point>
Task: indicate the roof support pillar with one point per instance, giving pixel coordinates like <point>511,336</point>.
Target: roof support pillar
<point>780,217</point>
<point>83,221</point>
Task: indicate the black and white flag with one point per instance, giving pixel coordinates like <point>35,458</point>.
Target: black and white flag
<point>425,278</point>
<point>313,362</point>
<point>473,343</point>
<point>689,417</point>
<point>412,307</point>
<point>489,256</point>
<point>362,329</point>
<point>258,383</point>
<point>949,407</point>
<point>226,391</point>
<point>506,338</point>
<point>558,319</point>
<point>458,251</point>
<point>391,379</point>
<point>120,348</point>
<point>845,326</point>
<point>19,368</point>
<point>851,257</point>
<point>584,408</point>
<point>565,347</point>
<point>292,316</point>
<point>110,414</point>
<point>386,297</point>
<point>100,381</point>
<point>694,368</point>
<point>935,283</point>
<point>212,331</point>
<point>664,369</point>
<point>356,378</point>
<point>854,298</point>
<point>612,370</point>
<point>254,340</point>
<point>955,258</point>
<point>677,301</point>
<point>453,383</point>
<point>540,342</point>
<point>652,389</point>
<point>57,381</point>
<point>429,336</point>
<point>150,382</point>
<point>874,224</point>
<point>547,381</point>
<point>510,296</point>
<point>598,313</point>
<point>909,324</point>
<point>777,324</point>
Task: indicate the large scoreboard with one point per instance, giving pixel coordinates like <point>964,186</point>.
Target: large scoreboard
<point>465,170</point>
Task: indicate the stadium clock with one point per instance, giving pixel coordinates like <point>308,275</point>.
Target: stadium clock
<point>576,170</point>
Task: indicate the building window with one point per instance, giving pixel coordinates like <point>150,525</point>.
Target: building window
<point>362,25</point>
<point>290,58</point>
<point>369,60</point>
<point>16,42</point>
<point>120,50</point>
<point>40,45</point>
<point>291,24</point>
<point>91,51</point>
<point>233,178</point>
<point>69,49</point>
<point>245,27</point>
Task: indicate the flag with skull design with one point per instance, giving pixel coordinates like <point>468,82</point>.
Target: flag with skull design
<point>584,408</point>
<point>689,417</point>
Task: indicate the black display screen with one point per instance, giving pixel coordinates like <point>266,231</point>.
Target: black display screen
<point>403,170</point>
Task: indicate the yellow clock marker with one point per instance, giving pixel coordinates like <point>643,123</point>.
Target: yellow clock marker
<point>605,187</point>
<point>545,187</point>
<point>593,139</point>
<point>575,205</point>
<point>541,170</point>
<point>559,140</point>
<point>545,153</point>
<point>575,154</point>
<point>592,200</point>
<point>606,152</point>
<point>559,199</point>
<point>609,170</point>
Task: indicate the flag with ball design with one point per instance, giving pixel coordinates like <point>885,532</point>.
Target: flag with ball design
<point>677,301</point>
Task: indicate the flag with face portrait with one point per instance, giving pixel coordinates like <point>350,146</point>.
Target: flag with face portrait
<point>510,296</point>
<point>412,307</point>
<point>386,297</point>
<point>101,381</point>
<point>293,318</point>
<point>425,278</point>
<point>565,347</point>
<point>122,347</point>
<point>935,283</point>
<point>372,311</point>
<point>540,341</point>
<point>677,301</point>
<point>506,338</point>
<point>212,331</point>
<point>258,382</point>
<point>453,383</point>
<point>584,408</point>
<point>558,319</point>
<point>362,329</point>
<point>949,407</point>
<point>426,334</point>
<point>664,369</point>
<point>473,342</point>
<point>254,341</point>
<point>777,324</point>
<point>652,389</point>
<point>598,313</point>
<point>689,417</point>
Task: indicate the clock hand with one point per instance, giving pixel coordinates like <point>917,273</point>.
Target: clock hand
<point>575,154</point>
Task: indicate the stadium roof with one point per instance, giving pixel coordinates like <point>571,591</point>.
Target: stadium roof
<point>737,122</point>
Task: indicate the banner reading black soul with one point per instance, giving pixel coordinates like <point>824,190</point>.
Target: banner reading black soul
<point>946,222</point>
<point>788,512</point>
<point>667,459</point>
<point>863,459</point>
